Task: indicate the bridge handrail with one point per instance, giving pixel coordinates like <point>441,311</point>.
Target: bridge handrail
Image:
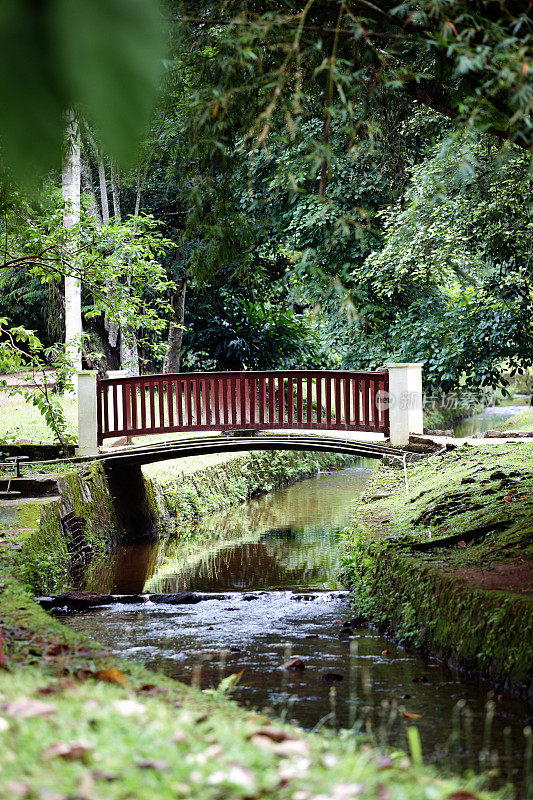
<point>262,400</point>
<point>287,373</point>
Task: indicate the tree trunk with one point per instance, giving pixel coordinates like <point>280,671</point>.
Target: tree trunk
<point>115,189</point>
<point>103,188</point>
<point>111,328</point>
<point>175,333</point>
<point>71,179</point>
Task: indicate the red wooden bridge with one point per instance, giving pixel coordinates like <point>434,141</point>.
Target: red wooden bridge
<point>221,401</point>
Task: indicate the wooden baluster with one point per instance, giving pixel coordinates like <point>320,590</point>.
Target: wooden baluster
<point>338,405</point>
<point>187,410</point>
<point>366,413</point>
<point>373,402</point>
<point>142,391</point>
<point>133,395</point>
<point>215,400</point>
<point>346,390</point>
<point>281,400</point>
<point>103,393</point>
<point>197,403</point>
<point>205,416</point>
<point>253,399</point>
<point>309,399</point>
<point>115,408</point>
<point>328,401</point>
<point>225,388</point>
<point>271,402</point>
<point>319,400</point>
<point>290,400</point>
<point>299,401</point>
<point>233,384</point>
<point>356,402</point>
<point>386,399</point>
<point>178,386</point>
<point>246,401</point>
<point>151,404</point>
<point>170,406</point>
<point>379,404</point>
<point>262,400</point>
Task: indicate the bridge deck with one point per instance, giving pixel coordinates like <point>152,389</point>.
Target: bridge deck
<point>371,446</point>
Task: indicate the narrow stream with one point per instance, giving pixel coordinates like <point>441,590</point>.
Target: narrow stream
<point>273,563</point>
<point>486,419</point>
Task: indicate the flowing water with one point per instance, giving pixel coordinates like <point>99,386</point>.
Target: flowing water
<point>486,420</point>
<point>273,565</point>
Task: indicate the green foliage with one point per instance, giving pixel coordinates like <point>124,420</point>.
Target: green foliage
<point>253,335</point>
<point>126,256</point>
<point>103,57</point>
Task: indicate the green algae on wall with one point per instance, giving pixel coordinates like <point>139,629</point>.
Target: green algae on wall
<point>486,633</point>
<point>47,552</point>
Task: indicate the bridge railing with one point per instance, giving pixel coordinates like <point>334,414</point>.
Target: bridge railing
<point>210,401</point>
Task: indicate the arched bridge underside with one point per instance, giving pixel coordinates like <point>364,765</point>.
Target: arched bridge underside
<point>208,445</point>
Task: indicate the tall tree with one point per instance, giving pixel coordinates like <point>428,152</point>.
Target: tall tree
<point>71,186</point>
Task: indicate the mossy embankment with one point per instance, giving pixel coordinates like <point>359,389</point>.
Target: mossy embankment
<point>448,568</point>
<point>187,496</point>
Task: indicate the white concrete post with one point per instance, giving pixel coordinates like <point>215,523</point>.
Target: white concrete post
<point>87,420</point>
<point>406,412</point>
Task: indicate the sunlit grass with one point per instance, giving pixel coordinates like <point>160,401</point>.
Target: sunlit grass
<point>19,420</point>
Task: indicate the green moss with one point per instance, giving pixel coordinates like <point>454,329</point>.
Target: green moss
<point>43,561</point>
<point>479,503</point>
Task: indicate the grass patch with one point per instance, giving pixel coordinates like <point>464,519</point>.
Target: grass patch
<point>523,421</point>
<point>20,420</point>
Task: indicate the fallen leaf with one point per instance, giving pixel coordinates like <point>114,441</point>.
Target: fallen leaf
<point>69,751</point>
<point>347,791</point>
<point>291,747</point>
<point>385,652</point>
<point>383,792</point>
<point>274,734</point>
<point>26,707</point>
<point>57,650</point>
<point>158,766</point>
<point>18,790</point>
<point>111,675</point>
<point>411,715</point>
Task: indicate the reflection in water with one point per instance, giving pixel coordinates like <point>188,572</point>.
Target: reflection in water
<point>284,539</point>
<point>289,540</point>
